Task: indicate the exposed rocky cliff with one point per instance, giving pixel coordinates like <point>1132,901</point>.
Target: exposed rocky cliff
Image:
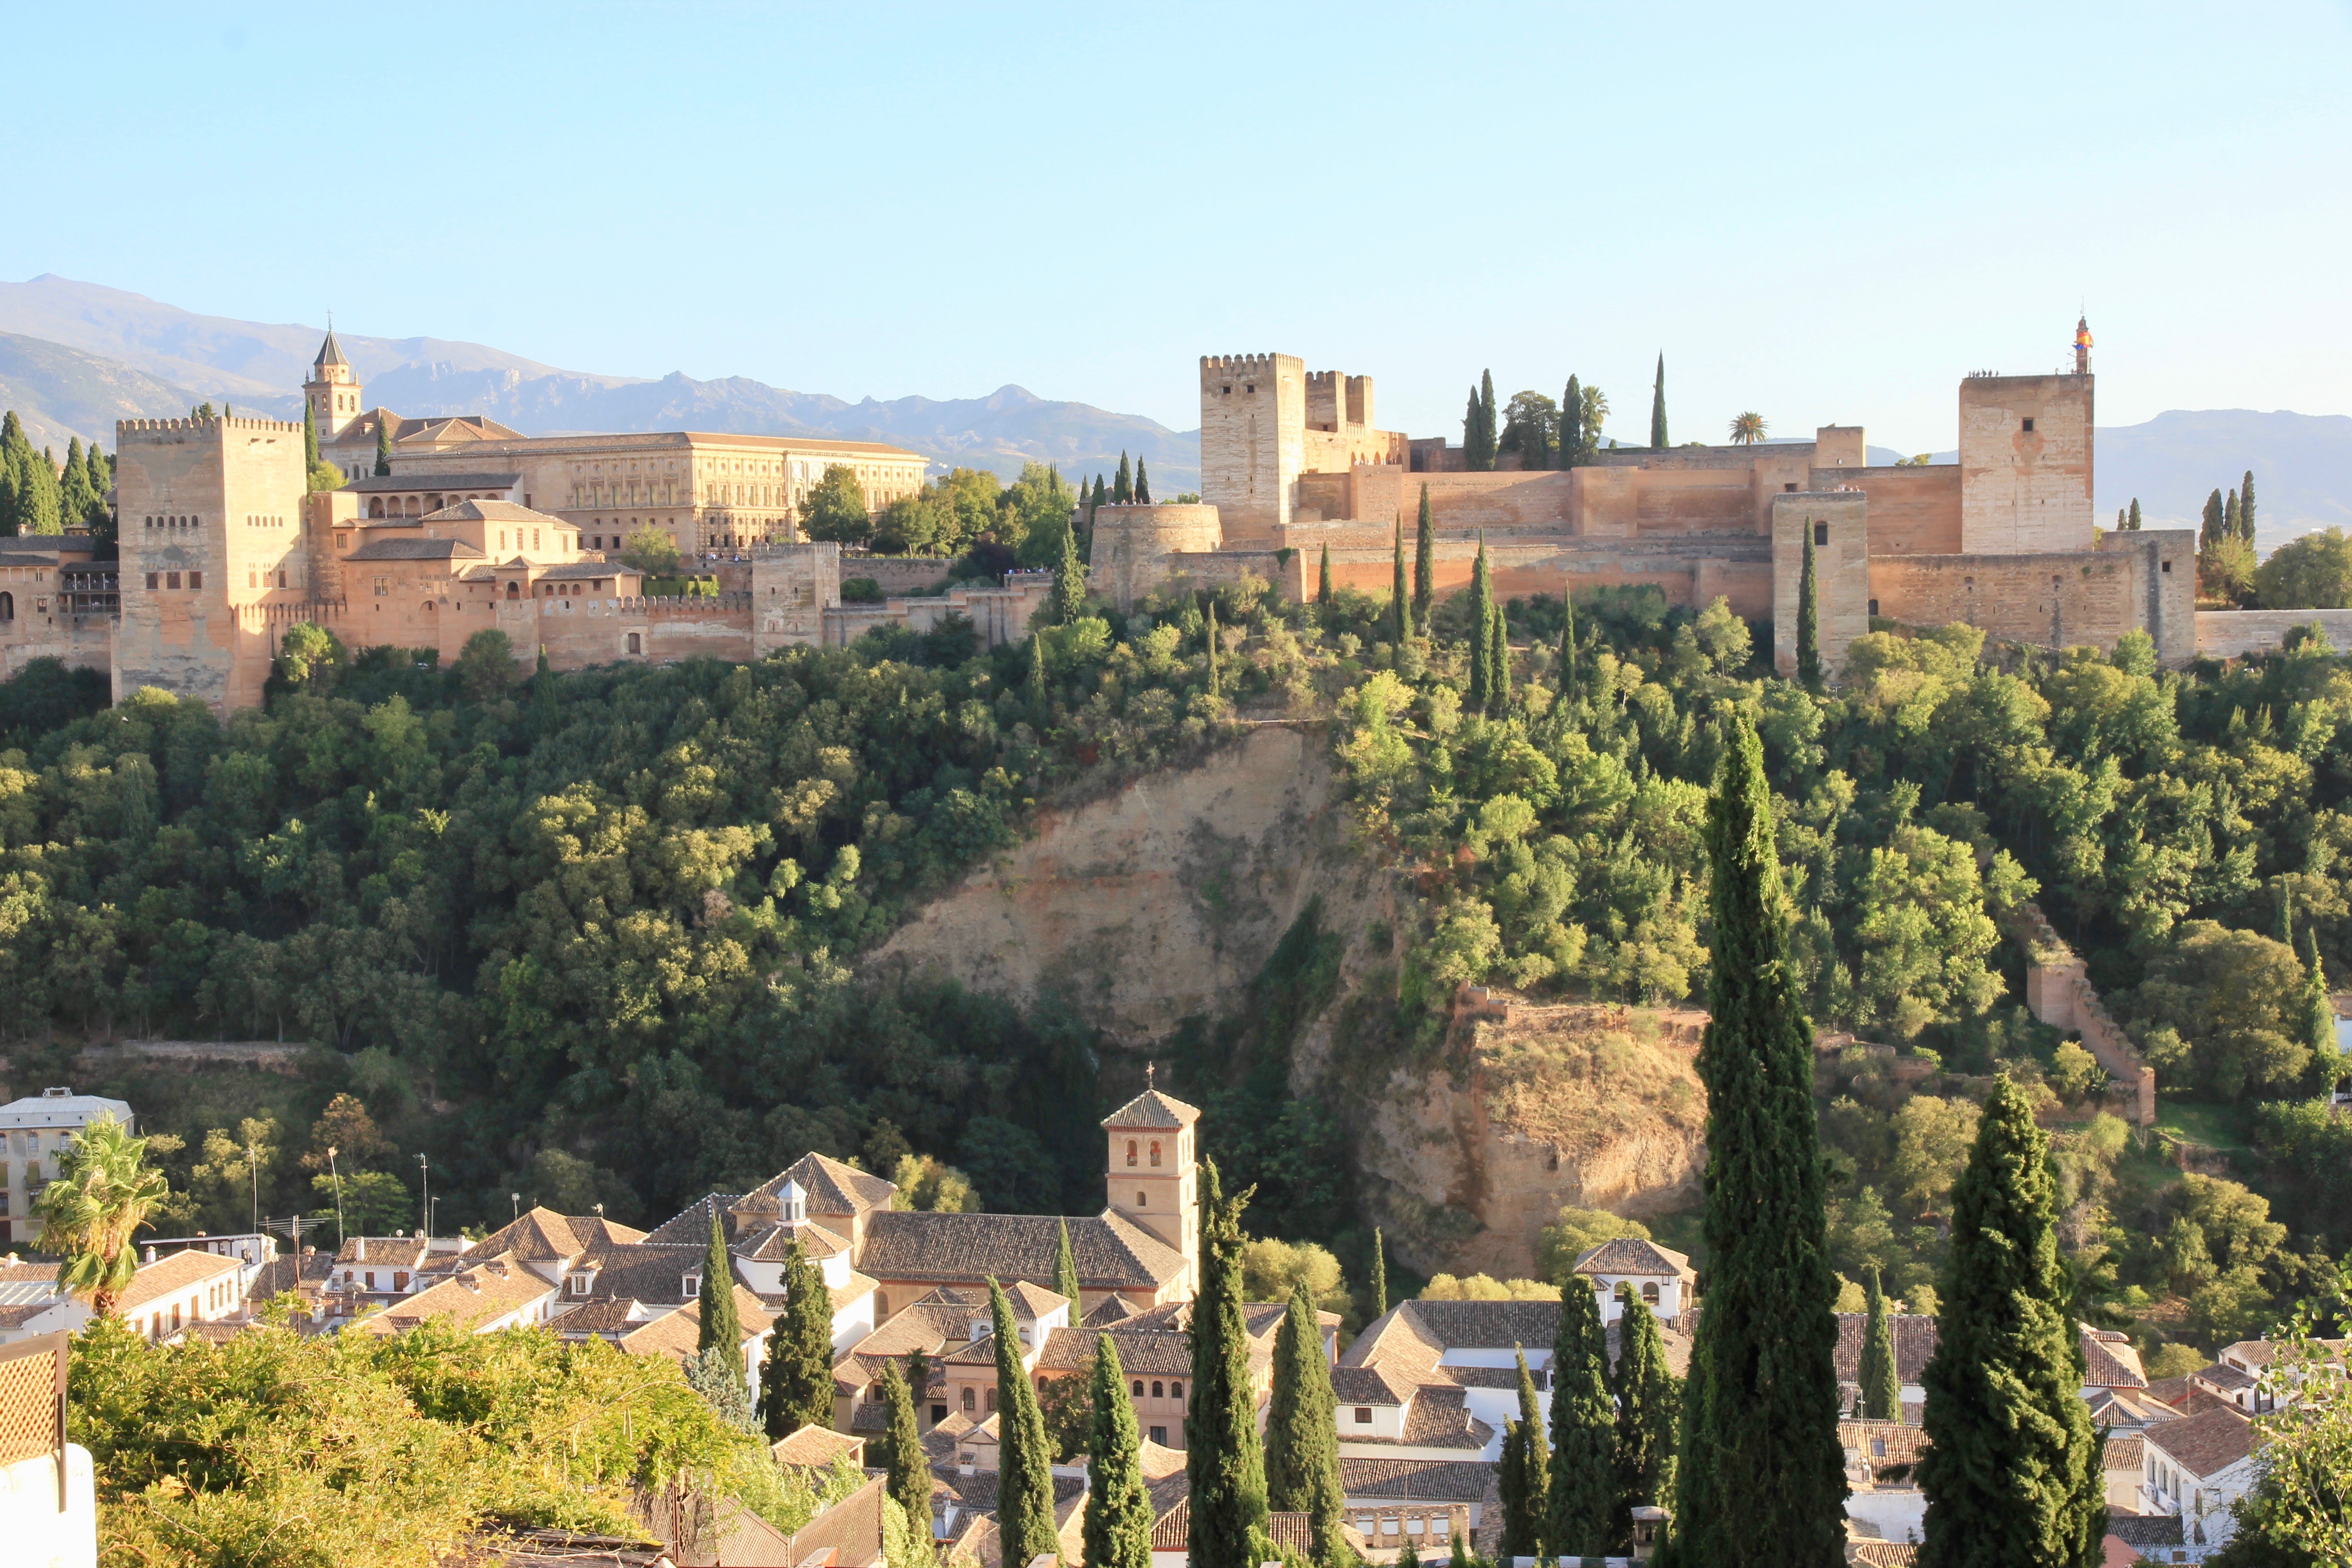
<point>1163,901</point>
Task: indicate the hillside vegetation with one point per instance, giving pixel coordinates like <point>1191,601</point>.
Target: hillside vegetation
<point>588,936</point>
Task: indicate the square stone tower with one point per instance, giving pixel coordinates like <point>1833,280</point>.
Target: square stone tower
<point>1153,1182</point>
<point>1253,441</point>
<point>211,528</point>
<point>2025,464</point>
<point>1839,522</point>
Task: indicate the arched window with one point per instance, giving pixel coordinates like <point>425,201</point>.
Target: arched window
<point>991,1397</point>
<point>1156,1393</point>
<point>1141,1200</point>
<point>1130,1151</point>
<point>1176,1389</point>
<point>1650,1292</point>
<point>1138,1388</point>
<point>1155,1151</point>
<point>513,591</point>
<point>967,1401</point>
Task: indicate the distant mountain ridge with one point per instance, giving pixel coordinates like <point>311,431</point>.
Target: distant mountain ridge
<point>262,366</point>
<point>75,357</point>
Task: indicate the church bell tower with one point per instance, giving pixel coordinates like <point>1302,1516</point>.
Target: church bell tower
<point>1154,1182</point>
<point>335,396</point>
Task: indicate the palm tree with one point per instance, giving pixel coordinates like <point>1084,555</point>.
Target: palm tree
<point>101,1196</point>
<point>1749,428</point>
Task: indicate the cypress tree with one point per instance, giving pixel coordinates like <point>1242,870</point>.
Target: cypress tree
<point>1424,565</point>
<point>1482,640</point>
<point>1209,641</point>
<point>2013,1472</point>
<point>1760,1477</point>
<point>1571,419</point>
<point>1065,1272</point>
<point>2209,531</point>
<point>1379,1275</point>
<point>1809,620</point>
<point>1400,603</point>
<point>73,485</point>
<point>1118,1510</point>
<point>1142,483</point>
<point>1222,1461</point>
<point>2231,529</point>
<point>1102,495</point>
<point>1882,1387</point>
<point>1647,1402</point>
<point>910,1469</point>
<point>1583,1481</point>
<point>2133,524</point>
<point>2318,1012</point>
<point>384,448</point>
<point>1568,643</point>
<point>1122,488</point>
<point>1487,430</point>
<point>1524,1471</point>
<point>1040,697</point>
<point>1498,662</point>
<point>1658,405</point>
<point>1302,1429</point>
<point>2286,914</point>
<point>1069,595</point>
<point>721,1325</point>
<point>1024,1486</point>
<point>15,463</point>
<point>1323,579</point>
<point>310,436</point>
<point>1470,432</point>
<point>2246,508</point>
<point>796,1378</point>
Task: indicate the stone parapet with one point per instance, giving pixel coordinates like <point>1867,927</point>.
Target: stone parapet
<point>2059,992</point>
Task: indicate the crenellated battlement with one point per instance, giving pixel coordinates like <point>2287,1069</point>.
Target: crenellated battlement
<point>1238,363</point>
<point>151,429</point>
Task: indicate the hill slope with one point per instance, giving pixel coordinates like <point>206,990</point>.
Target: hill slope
<point>60,393</point>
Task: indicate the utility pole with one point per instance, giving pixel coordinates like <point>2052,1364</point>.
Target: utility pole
<point>425,1170</point>
<point>337,1177</point>
<point>252,1160</point>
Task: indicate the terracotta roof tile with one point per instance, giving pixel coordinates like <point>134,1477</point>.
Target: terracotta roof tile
<point>1152,1109</point>
<point>1415,1480</point>
<point>2207,1443</point>
<point>1631,1255</point>
<point>174,1272</point>
<point>1111,1253</point>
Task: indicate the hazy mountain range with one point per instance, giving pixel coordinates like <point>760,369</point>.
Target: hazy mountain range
<point>75,357</point>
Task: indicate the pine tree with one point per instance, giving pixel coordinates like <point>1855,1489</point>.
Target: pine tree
<point>1065,1272</point>
<point>1118,1510</point>
<point>2133,525</point>
<point>1222,1461</point>
<point>1760,1478</point>
<point>1424,565</point>
<point>2210,532</point>
<point>1122,488</point>
<point>2013,1471</point>
<point>1323,579</point>
<point>1142,483</point>
<point>382,443</point>
<point>908,1467</point>
<point>1209,641</point>
<point>1658,405</point>
<point>1481,694</point>
<point>1882,1387</point>
<point>1024,1486</point>
<point>1568,643</point>
<point>2318,1010</point>
<point>1809,620</point>
<point>796,1378</point>
<point>1379,1275</point>
<point>1648,1401</point>
<point>1498,662</point>
<point>1302,1429</point>
<point>1400,603</point>
<point>1526,1473</point>
<point>2246,508</point>
<point>1583,1481</point>
<point>721,1323</point>
<point>1069,595</point>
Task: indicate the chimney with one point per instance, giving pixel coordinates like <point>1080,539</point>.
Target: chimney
<point>150,1255</point>
<point>361,1253</point>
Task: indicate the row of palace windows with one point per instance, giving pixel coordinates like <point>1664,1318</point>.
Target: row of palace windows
<point>1155,1151</point>
<point>264,523</point>
<point>174,522</point>
<point>172,580</point>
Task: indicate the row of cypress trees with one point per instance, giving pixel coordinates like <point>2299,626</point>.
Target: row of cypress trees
<point>38,497</point>
<point>2229,514</point>
<point>1578,435</point>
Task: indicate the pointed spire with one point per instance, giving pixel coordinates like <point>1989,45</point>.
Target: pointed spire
<point>330,352</point>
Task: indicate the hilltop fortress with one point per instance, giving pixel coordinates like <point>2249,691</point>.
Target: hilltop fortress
<point>478,528</point>
<point>1293,463</point>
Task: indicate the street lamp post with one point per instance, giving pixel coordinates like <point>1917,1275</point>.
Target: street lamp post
<point>337,1177</point>
<point>426,1172</point>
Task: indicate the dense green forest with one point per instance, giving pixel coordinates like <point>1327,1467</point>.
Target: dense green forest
<point>591,936</point>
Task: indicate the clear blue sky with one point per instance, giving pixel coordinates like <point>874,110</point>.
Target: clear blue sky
<point>1825,214</point>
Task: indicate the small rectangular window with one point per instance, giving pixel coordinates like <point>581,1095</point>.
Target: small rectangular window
<point>1363,1414</point>
<point>2028,425</point>
<point>171,579</point>
<point>1820,533</point>
<point>1873,607</point>
<point>2168,566</point>
<point>195,579</point>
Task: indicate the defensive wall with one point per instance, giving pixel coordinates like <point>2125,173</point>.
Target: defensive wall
<point>999,614</point>
<point>895,574</point>
<point>2233,633</point>
<point>2058,992</point>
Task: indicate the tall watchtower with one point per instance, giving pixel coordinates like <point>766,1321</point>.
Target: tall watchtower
<point>1153,1147</point>
<point>2026,460</point>
<point>333,393</point>
<point>1253,441</point>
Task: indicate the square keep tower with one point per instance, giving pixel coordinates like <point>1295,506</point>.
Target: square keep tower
<point>1253,441</point>
<point>2025,464</point>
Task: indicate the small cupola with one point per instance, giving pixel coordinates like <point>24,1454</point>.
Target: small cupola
<point>794,1199</point>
